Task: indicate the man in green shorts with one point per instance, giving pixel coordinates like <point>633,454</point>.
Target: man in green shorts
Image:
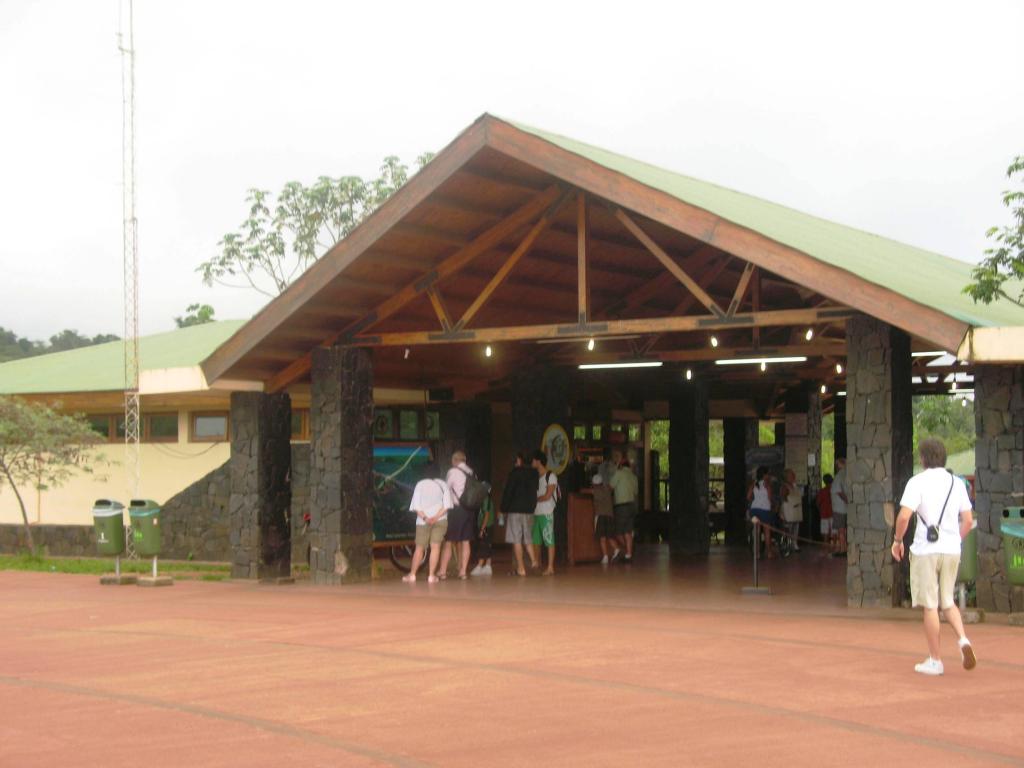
<point>544,513</point>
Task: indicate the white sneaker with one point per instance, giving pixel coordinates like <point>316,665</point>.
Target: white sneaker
<point>929,666</point>
<point>967,654</point>
<point>486,571</point>
<point>615,555</point>
<point>477,571</point>
<point>604,560</point>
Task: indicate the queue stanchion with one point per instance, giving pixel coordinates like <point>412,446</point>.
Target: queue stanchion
<point>756,589</point>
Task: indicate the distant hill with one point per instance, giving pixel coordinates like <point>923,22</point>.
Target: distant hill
<point>14,347</point>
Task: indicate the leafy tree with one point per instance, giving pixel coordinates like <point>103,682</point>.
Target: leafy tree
<point>195,314</point>
<point>14,347</point>
<point>69,339</point>
<point>1005,260</point>
<point>41,448</point>
<point>282,237</point>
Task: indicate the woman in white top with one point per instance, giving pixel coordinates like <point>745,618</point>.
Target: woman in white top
<point>792,506</point>
<point>760,499</point>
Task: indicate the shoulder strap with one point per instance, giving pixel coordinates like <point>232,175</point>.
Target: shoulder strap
<point>952,480</point>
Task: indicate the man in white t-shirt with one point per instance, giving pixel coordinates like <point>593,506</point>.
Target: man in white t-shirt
<point>544,512</point>
<point>431,500</point>
<point>944,519</point>
<point>839,493</point>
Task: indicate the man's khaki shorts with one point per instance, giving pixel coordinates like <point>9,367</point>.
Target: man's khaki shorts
<point>932,579</point>
<point>432,535</point>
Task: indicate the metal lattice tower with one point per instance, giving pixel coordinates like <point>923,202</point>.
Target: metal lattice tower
<point>132,415</point>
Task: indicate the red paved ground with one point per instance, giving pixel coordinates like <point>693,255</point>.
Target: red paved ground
<point>649,665</point>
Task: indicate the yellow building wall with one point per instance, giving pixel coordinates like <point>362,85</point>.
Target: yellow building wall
<point>167,468</point>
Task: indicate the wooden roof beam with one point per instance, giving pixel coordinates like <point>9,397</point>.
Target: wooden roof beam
<point>784,317</point>
<point>666,261</point>
<point>452,264</point>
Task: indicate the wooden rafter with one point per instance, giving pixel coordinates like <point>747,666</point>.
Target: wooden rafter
<point>677,324</point>
<point>688,301</point>
<point>582,282</point>
<point>439,308</point>
<point>483,242</point>
<point>668,262</point>
<point>741,288</point>
<point>520,250</point>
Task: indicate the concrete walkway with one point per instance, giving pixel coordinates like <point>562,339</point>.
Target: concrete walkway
<point>649,664</point>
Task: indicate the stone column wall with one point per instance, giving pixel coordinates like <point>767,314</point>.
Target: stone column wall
<point>341,466</point>
<point>260,533</point>
<point>740,436</point>
<point>879,423</point>
<point>540,396</point>
<point>689,533</point>
<point>999,477</point>
<point>839,416</point>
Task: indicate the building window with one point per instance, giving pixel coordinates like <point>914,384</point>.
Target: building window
<point>160,428</point>
<point>101,425</point>
<point>634,433</point>
<point>408,425</point>
<point>300,425</point>
<point>579,432</point>
<point>209,427</point>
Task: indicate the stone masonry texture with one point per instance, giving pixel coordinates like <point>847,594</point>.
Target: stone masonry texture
<point>689,533</point>
<point>341,466</point>
<point>879,453</point>
<point>260,533</point>
<point>999,476</point>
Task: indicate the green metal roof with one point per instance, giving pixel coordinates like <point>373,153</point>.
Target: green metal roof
<point>100,368</point>
<point>922,276</point>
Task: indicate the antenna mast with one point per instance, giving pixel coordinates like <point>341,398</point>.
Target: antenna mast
<point>132,416</point>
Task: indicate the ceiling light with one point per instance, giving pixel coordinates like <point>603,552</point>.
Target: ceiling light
<point>824,389</point>
<point>406,355</point>
<point>928,354</point>
<point>761,360</point>
<point>590,345</point>
<point>689,374</point>
<point>634,364</point>
<point>714,341</point>
<point>841,393</point>
<point>839,367</point>
<point>764,366</point>
<point>488,351</point>
<point>809,334</point>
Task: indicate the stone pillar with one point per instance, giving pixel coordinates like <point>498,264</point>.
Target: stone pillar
<point>999,477</point>
<point>740,436</point>
<point>540,396</point>
<point>804,403</point>
<point>260,485</point>
<point>467,426</point>
<point>880,433</point>
<point>341,466</point>
<point>688,469</point>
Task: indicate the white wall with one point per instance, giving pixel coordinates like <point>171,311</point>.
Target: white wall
<point>167,468</point>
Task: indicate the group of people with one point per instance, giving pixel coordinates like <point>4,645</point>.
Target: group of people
<point>447,525</point>
<point>781,507</point>
<point>615,489</point>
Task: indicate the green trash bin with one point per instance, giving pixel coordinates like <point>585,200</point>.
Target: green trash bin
<point>968,570</point>
<point>108,525</point>
<point>145,515</point>
<point>1012,528</point>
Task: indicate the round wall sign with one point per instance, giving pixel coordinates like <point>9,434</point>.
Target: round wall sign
<point>555,444</point>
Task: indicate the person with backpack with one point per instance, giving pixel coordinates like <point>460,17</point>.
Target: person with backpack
<point>544,513</point>
<point>468,494</point>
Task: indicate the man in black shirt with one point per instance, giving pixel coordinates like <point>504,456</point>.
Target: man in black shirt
<point>518,500</point>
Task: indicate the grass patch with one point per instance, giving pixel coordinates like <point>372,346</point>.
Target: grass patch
<point>101,565</point>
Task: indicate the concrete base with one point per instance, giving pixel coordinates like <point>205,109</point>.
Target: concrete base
<point>278,580</point>
<point>156,581</point>
<point>118,581</point>
<point>1016,619</point>
<point>972,615</point>
<point>757,591</point>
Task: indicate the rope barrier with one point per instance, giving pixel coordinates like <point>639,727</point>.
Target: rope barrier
<point>757,589</point>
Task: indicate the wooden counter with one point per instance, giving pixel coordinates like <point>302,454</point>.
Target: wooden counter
<point>583,546</point>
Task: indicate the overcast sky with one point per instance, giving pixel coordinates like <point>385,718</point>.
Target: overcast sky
<point>896,117</point>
